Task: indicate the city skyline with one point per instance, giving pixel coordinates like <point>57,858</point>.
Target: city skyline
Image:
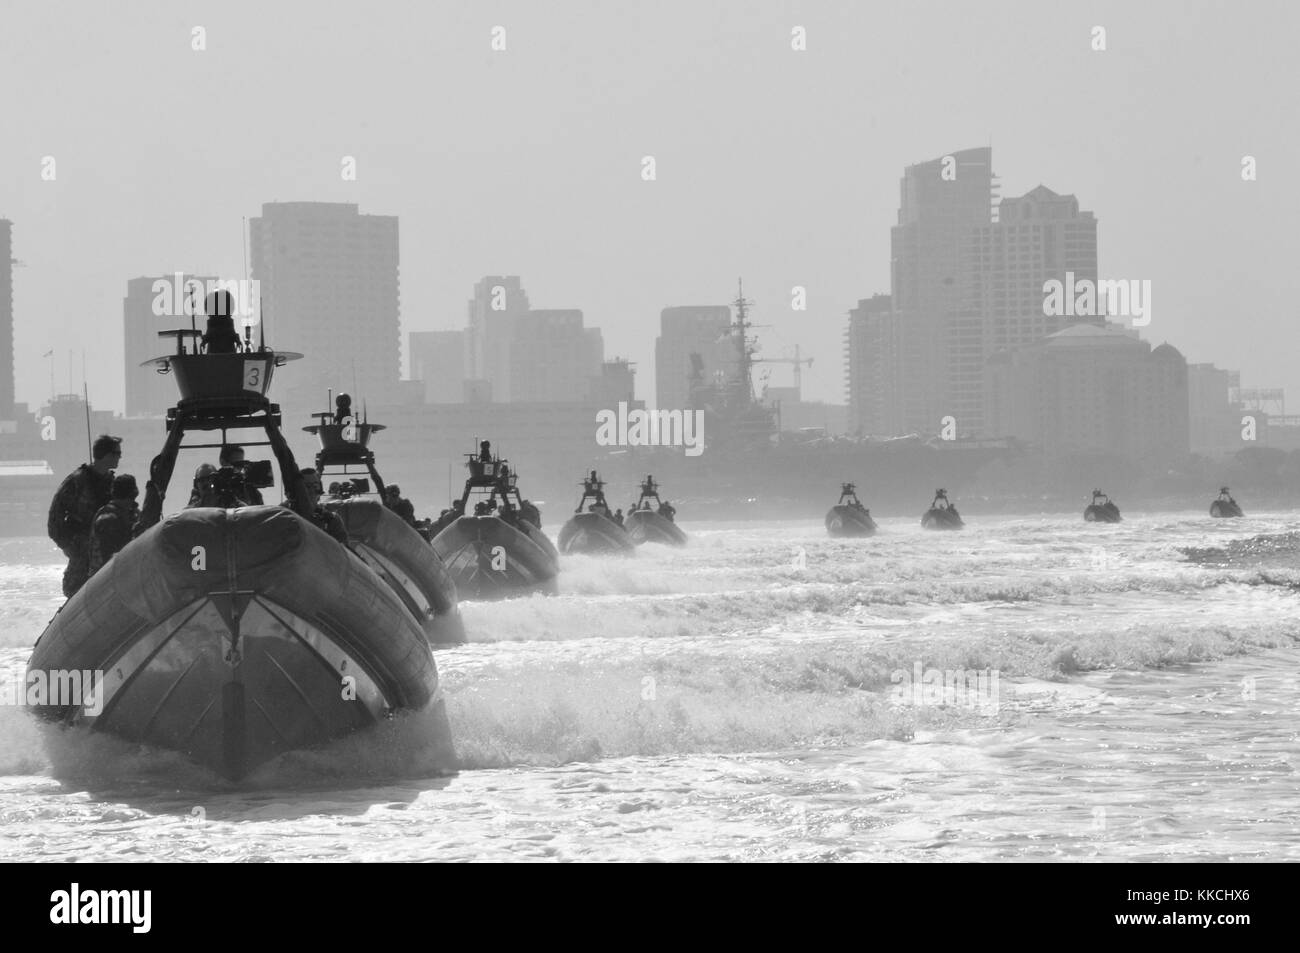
<point>541,174</point>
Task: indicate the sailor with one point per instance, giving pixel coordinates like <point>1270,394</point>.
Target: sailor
<point>73,509</point>
<point>618,517</point>
<point>447,517</point>
<point>485,451</point>
<point>203,493</point>
<point>342,408</point>
<point>666,510</point>
<point>321,518</point>
<point>529,511</point>
<point>221,336</point>
<point>232,455</point>
<point>115,522</point>
<point>394,500</point>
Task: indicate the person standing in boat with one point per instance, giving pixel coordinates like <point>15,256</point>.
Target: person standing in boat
<point>115,523</point>
<point>77,500</point>
<point>221,336</point>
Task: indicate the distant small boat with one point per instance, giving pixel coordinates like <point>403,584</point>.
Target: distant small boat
<point>941,514</point>
<point>1101,509</point>
<point>594,530</point>
<point>499,550</point>
<point>849,517</point>
<point>1225,507</point>
<point>645,524</point>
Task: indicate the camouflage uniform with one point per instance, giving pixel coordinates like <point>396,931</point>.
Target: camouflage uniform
<point>72,515</point>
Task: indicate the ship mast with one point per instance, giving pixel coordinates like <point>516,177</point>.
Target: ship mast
<point>743,386</point>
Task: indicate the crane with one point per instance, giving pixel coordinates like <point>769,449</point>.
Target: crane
<point>796,361</point>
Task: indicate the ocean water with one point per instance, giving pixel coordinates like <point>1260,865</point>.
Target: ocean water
<point>1126,692</point>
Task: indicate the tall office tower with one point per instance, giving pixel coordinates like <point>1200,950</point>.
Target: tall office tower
<point>6,320</point>
<point>148,393</point>
<point>868,366</point>
<point>330,289</point>
<point>935,249</point>
<point>687,330</point>
<point>498,302</point>
<point>553,358</point>
<point>438,359</point>
<point>967,282</point>
<point>1089,390</point>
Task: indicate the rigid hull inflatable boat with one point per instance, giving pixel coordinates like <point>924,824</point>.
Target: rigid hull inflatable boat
<point>653,523</point>
<point>594,530</point>
<point>941,514</point>
<point>1101,509</point>
<point>393,548</point>
<point>498,548</point>
<point>234,633</point>
<point>849,517</point>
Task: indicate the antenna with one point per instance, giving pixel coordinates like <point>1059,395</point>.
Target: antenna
<point>85,394</point>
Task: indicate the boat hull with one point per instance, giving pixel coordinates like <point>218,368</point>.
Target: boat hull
<point>400,556</point>
<point>234,636</point>
<point>844,520</point>
<point>594,534</point>
<point>487,558</point>
<point>1103,513</point>
<point>647,526</point>
<point>1221,509</point>
<point>935,518</point>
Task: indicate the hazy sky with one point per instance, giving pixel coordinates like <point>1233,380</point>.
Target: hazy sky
<point>777,165</point>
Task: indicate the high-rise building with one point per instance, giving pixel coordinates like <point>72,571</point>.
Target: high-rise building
<point>967,281</point>
<point>1090,390</point>
<point>330,288</point>
<point>553,358</point>
<point>148,393</point>
<point>498,302</point>
<point>6,320</point>
<point>438,361</point>
<point>868,358</point>
<point>691,330</point>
